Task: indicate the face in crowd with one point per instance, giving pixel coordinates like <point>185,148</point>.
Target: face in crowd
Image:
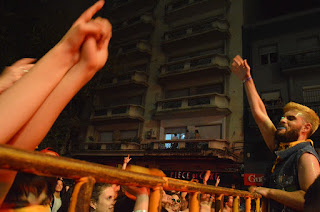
<point>59,186</point>
<point>229,203</point>
<point>105,200</point>
<point>176,203</point>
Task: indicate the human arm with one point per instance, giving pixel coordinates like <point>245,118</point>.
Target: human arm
<point>19,103</point>
<point>308,170</point>
<point>92,58</point>
<point>142,197</point>
<point>241,69</point>
<point>294,200</point>
<point>217,181</point>
<point>126,160</point>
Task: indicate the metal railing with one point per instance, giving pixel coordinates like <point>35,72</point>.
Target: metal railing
<point>86,174</point>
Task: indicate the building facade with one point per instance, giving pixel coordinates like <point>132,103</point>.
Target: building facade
<point>168,98</point>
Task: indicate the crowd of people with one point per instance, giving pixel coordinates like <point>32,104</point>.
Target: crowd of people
<point>33,93</point>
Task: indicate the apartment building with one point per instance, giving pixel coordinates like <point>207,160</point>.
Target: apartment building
<point>168,98</point>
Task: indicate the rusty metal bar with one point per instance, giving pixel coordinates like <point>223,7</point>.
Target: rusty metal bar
<point>264,205</point>
<point>248,204</point>
<point>236,204</point>
<point>194,203</point>
<point>80,200</point>
<point>258,205</point>
<point>219,203</point>
<point>38,163</point>
<point>155,200</point>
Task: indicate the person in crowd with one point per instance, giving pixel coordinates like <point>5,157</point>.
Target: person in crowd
<point>206,200</point>
<point>228,204</point>
<point>102,198</point>
<point>135,198</point>
<point>57,200</point>
<point>49,85</point>
<point>30,192</point>
<point>312,197</point>
<point>297,163</point>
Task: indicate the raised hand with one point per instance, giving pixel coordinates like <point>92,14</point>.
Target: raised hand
<point>240,68</point>
<point>127,159</point>
<point>83,28</point>
<point>217,181</point>
<point>14,72</point>
<point>206,177</point>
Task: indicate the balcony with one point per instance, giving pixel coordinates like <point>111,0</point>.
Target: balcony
<point>191,106</point>
<point>122,9</point>
<point>301,61</point>
<point>179,9</point>
<point>131,80</point>
<point>118,113</point>
<point>135,51</point>
<point>133,28</point>
<point>195,66</point>
<point>206,32</point>
<point>188,147</point>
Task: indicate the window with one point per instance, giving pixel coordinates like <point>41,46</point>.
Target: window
<point>177,93</point>
<point>180,131</point>
<point>128,134</point>
<point>214,88</point>
<point>311,94</point>
<point>106,137</point>
<point>268,54</point>
<point>210,131</point>
<point>272,99</point>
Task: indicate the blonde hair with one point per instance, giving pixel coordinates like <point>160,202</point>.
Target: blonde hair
<point>309,115</point>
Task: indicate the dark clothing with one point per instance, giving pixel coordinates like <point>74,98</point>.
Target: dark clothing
<point>285,174</point>
<point>124,204</point>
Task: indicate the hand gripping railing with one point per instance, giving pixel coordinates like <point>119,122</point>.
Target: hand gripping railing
<point>86,174</point>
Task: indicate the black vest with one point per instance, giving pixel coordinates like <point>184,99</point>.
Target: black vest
<point>285,174</point>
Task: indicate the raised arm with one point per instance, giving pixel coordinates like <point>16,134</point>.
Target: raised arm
<point>241,69</point>
<point>19,103</point>
<point>46,89</point>
<point>92,59</point>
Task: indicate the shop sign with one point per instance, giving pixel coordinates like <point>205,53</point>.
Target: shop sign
<point>252,179</point>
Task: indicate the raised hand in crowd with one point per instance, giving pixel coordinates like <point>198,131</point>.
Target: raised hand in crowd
<point>240,68</point>
<point>14,72</point>
<point>126,160</point>
<point>217,181</point>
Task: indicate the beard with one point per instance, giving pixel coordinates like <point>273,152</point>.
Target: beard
<point>288,136</point>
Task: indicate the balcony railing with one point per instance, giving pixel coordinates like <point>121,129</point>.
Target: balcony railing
<point>188,102</point>
<point>122,9</point>
<point>199,63</point>
<point>200,147</point>
<point>179,9</point>
<point>138,50</point>
<point>196,34</point>
<point>121,111</point>
<point>300,60</point>
<point>135,78</point>
<point>133,28</point>
<point>86,174</point>
<point>104,146</point>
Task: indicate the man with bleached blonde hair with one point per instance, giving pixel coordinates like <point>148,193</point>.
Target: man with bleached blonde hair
<point>297,163</point>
